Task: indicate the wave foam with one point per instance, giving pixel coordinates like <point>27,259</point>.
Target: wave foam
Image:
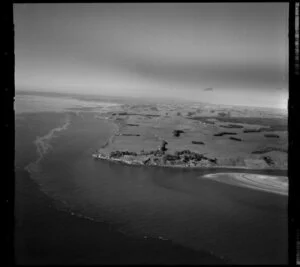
<point>43,145</point>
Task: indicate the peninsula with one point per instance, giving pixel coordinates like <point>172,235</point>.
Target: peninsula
<point>196,135</point>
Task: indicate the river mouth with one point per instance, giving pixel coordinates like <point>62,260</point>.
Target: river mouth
<point>153,203</point>
<point>160,203</point>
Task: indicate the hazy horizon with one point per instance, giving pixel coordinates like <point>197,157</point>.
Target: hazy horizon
<point>220,53</point>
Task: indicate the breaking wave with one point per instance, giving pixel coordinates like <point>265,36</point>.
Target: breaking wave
<point>43,145</point>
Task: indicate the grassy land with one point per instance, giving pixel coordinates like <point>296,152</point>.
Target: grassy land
<point>142,128</point>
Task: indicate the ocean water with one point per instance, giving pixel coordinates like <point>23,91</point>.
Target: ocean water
<point>69,202</point>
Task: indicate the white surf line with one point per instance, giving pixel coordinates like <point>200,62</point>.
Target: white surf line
<point>110,140</point>
<point>43,143</point>
<point>269,183</point>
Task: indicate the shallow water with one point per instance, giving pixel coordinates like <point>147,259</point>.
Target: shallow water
<point>240,224</point>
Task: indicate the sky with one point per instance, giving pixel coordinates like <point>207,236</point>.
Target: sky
<point>222,53</point>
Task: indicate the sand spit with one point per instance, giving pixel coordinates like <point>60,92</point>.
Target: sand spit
<point>269,183</point>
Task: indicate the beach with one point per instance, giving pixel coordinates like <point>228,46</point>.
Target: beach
<point>268,183</point>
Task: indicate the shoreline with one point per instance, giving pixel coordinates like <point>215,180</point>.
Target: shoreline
<point>77,230</point>
<point>268,183</point>
<point>256,179</point>
<point>126,162</point>
<point>184,157</point>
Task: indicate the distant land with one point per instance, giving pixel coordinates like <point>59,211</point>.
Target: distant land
<point>190,134</point>
<point>131,99</point>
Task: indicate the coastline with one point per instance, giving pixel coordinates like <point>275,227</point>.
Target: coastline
<point>269,183</point>
<point>81,231</point>
<point>136,163</point>
<point>170,148</point>
<point>246,172</point>
<point>263,179</point>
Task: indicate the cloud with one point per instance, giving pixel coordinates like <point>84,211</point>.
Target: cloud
<point>202,74</point>
<point>128,49</point>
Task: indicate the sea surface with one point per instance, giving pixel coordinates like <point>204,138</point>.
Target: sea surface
<point>72,209</point>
